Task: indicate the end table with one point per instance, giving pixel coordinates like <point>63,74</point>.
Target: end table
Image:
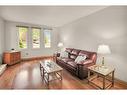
<point>105,72</point>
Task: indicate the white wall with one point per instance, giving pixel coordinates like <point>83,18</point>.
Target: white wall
<point>1,37</point>
<point>108,26</point>
<point>12,40</point>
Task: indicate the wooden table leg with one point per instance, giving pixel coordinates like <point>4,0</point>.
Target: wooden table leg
<point>48,81</point>
<point>43,73</point>
<point>112,78</point>
<point>40,67</point>
<point>41,70</point>
<point>88,75</point>
<point>103,82</point>
<point>61,73</point>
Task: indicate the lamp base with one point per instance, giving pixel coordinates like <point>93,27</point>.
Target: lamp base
<point>102,66</point>
<point>102,61</point>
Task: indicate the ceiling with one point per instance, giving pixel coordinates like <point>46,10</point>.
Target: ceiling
<point>54,16</point>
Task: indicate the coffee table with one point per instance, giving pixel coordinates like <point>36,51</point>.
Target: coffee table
<point>50,71</point>
<point>105,72</point>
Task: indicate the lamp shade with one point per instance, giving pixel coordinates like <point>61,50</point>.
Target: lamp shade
<point>103,49</point>
<point>60,44</point>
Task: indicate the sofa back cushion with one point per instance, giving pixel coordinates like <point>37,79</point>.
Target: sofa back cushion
<point>84,53</point>
<point>75,52</point>
<point>89,55</point>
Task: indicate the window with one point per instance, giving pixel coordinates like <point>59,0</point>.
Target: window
<point>36,37</point>
<point>47,38</point>
<point>22,37</point>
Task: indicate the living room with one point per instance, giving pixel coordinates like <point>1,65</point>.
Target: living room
<point>78,29</point>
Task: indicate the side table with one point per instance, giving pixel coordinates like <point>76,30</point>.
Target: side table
<point>55,55</point>
<point>105,72</point>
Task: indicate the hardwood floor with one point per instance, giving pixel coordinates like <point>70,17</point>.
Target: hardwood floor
<point>26,75</point>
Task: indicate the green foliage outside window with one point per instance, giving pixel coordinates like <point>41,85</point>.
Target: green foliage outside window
<point>23,37</point>
<point>47,38</point>
<point>36,37</point>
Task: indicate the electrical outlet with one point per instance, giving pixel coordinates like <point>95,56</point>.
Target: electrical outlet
<point>27,54</point>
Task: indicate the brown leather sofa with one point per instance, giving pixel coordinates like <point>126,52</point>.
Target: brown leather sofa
<point>78,69</point>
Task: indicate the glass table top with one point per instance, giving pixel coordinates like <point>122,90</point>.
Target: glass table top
<point>104,70</point>
<point>50,66</point>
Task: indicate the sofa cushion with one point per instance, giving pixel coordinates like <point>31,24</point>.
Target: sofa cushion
<point>72,63</point>
<point>84,53</point>
<point>75,51</point>
<point>64,59</point>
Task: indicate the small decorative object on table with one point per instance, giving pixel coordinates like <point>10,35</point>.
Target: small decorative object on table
<point>49,64</point>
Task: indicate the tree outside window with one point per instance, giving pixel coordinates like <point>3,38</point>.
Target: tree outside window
<point>47,38</point>
<point>22,37</point>
<point>36,37</point>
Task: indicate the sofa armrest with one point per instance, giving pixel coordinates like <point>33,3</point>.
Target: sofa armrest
<point>82,68</point>
<point>57,54</point>
<point>86,63</point>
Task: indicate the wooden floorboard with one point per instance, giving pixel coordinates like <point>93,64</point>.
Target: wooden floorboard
<point>26,75</point>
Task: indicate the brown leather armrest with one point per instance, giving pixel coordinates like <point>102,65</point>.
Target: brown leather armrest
<point>56,54</point>
<point>86,63</point>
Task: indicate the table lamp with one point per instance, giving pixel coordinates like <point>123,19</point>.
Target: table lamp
<point>103,50</point>
<point>60,45</point>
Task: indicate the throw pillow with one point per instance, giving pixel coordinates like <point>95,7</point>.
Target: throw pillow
<point>80,58</point>
<point>84,57</point>
<point>64,54</point>
<point>73,57</point>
